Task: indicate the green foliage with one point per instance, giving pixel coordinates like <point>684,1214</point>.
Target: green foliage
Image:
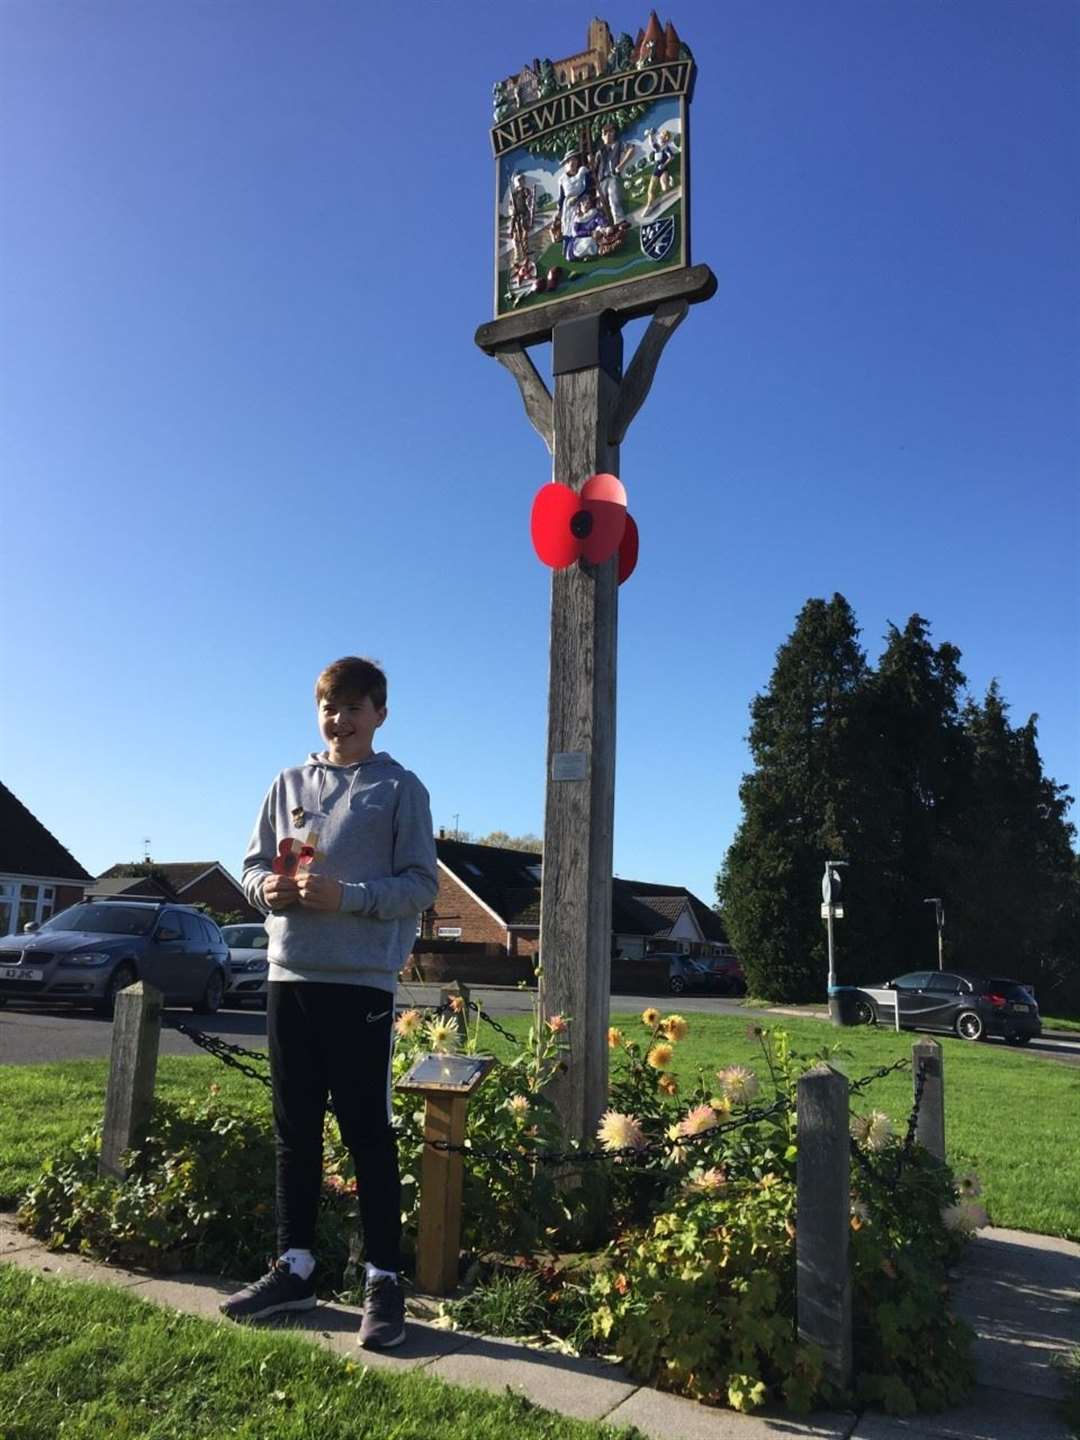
<point>701,1298</point>
<point>197,1196</point>
<point>687,1269</point>
<point>923,791</point>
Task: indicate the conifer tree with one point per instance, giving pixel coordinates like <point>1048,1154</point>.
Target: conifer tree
<point>797,803</point>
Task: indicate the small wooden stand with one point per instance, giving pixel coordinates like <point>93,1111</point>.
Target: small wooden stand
<point>446,1083</point>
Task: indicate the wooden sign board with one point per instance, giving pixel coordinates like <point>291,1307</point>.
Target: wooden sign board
<point>592,168</point>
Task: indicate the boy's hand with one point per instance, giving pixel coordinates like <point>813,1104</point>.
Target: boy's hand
<point>318,892</point>
<point>280,891</point>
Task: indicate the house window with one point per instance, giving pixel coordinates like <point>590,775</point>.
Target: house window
<point>472,869</point>
<point>22,902</point>
<point>535,871</point>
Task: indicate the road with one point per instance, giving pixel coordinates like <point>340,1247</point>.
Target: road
<point>30,1034</point>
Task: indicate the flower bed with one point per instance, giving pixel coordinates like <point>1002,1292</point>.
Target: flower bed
<point>674,1251</point>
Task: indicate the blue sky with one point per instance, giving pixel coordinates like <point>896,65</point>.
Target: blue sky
<point>244,429</point>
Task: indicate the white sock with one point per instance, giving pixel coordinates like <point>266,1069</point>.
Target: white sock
<point>300,1262</point>
<point>374,1273</point>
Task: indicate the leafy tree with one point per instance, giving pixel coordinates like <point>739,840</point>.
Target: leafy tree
<point>532,843</point>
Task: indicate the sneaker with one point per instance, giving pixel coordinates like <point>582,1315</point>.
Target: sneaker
<point>277,1291</point>
<point>383,1325</point>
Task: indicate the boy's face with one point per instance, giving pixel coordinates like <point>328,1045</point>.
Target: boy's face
<point>347,724</point>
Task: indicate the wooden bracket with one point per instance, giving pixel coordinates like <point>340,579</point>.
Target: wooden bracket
<point>638,380</point>
<point>537,397</point>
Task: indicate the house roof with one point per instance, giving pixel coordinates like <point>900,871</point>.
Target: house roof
<point>179,873</point>
<point>505,881</point>
<point>27,848</point>
<point>134,885</point>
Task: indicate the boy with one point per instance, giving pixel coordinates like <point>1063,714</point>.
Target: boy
<point>343,860</point>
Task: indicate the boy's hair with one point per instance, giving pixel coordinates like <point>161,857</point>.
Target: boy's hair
<point>352,678</point>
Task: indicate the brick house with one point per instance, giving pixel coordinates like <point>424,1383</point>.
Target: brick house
<point>38,877</point>
<point>192,882</point>
<point>489,895</point>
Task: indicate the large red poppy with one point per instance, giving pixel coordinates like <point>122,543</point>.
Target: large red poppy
<point>591,525</point>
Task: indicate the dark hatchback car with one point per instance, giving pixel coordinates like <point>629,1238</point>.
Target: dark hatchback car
<point>971,1006</point>
<point>90,952</point>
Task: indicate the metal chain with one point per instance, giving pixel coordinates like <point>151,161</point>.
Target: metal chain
<point>222,1050</point>
<point>858,1085</point>
<point>913,1119</point>
<point>626,1152</point>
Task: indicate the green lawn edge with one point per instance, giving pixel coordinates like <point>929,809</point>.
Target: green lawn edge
<point>85,1361</point>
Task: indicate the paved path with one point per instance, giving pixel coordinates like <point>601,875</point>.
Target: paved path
<point>31,1034</point>
<point>1020,1292</point>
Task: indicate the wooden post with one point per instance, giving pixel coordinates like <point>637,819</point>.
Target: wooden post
<point>129,1095</point>
<point>575,903</point>
<point>930,1125</point>
<point>582,426</point>
<point>824,1219</point>
<point>441,1178</point>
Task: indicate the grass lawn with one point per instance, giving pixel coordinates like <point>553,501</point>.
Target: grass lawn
<point>1013,1117</point>
<point>85,1362</point>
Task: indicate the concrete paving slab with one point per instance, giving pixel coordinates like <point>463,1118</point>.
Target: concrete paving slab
<point>72,1267</point>
<point>583,1389</point>
<point>670,1417</point>
<point>11,1237</point>
<point>336,1327</point>
<point>990,1415</point>
<point>194,1294</point>
<point>1021,1295</point>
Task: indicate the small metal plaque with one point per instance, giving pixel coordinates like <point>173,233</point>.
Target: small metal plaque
<point>458,1074</point>
<point>570,765</point>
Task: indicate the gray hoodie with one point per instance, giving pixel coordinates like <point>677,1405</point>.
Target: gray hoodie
<point>369,826</point>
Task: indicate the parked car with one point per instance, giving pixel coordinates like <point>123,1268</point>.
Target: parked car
<point>687,972</point>
<point>971,1006</point>
<point>248,965</point>
<point>88,953</point>
<point>727,974</point>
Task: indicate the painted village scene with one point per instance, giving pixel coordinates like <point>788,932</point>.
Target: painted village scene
<point>591,156</point>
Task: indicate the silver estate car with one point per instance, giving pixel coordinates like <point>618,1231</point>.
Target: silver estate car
<point>247,963</point>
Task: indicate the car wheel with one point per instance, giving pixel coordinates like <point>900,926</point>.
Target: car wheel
<point>864,1013</point>
<point>120,979</point>
<point>677,984</point>
<point>210,1001</point>
<point>969,1025</point>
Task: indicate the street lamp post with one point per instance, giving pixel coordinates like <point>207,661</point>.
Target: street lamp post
<point>939,916</point>
<point>830,909</point>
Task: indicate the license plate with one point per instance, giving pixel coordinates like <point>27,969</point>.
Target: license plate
<point>10,973</point>
<point>1022,1008</point>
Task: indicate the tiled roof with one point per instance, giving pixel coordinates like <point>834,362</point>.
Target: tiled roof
<point>134,885</point>
<point>179,872</point>
<point>27,848</point>
<point>503,880</point>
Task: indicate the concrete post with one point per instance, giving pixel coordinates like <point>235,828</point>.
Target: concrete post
<point>824,1219</point>
<point>129,1095</point>
<point>930,1125</point>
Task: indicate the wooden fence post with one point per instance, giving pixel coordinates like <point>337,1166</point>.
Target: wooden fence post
<point>132,1067</point>
<point>824,1219</point>
<point>930,1124</point>
<point>438,1245</point>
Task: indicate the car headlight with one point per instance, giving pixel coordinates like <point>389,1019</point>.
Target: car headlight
<point>86,957</point>
<point>255,966</point>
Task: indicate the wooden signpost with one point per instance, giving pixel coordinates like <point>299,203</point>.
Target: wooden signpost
<point>592,229</point>
<point>446,1082</point>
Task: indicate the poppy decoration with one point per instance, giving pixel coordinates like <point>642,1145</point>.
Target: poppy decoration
<point>592,525</point>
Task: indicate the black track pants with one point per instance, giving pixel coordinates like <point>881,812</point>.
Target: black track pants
<point>334,1039</point>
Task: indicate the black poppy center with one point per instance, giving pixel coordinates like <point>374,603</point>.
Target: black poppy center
<point>581,525</point>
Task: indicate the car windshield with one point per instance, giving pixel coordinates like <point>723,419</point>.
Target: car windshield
<point>1010,989</point>
<point>104,919</point>
<point>245,937</point>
